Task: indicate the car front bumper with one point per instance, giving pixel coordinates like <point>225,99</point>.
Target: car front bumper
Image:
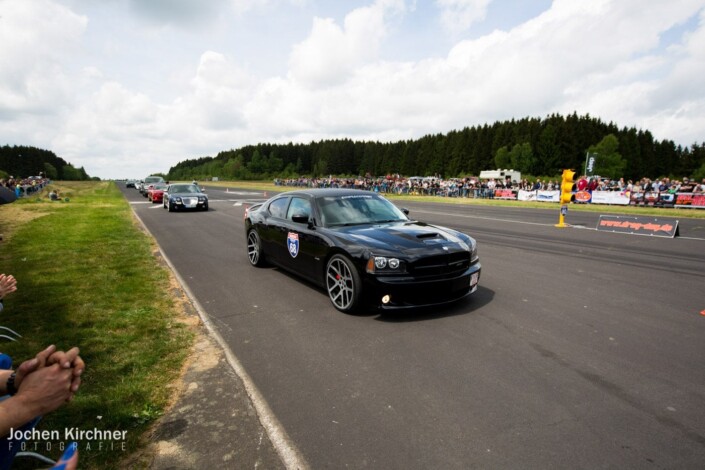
<point>408,292</point>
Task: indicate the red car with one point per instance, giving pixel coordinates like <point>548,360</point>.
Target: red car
<point>156,192</point>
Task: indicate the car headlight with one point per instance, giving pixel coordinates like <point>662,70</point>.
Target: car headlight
<point>177,199</point>
<point>383,264</point>
<point>201,199</point>
<point>473,253</point>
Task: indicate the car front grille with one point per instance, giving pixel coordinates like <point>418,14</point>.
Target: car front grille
<point>440,265</point>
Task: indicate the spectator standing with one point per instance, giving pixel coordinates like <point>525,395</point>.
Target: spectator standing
<point>700,188</point>
<point>491,184</point>
<point>687,186</point>
<point>592,184</point>
<point>582,183</point>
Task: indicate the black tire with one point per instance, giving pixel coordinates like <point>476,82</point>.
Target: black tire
<point>205,206</point>
<point>343,284</point>
<point>171,207</point>
<point>254,249</point>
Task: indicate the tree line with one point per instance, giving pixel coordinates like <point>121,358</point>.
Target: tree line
<point>22,162</point>
<point>534,146</point>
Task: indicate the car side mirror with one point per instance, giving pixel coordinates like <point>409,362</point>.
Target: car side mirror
<point>405,211</point>
<point>300,218</point>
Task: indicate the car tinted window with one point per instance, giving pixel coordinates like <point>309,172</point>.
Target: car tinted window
<point>153,179</point>
<point>278,207</point>
<point>298,206</point>
<point>183,188</point>
<point>358,209</point>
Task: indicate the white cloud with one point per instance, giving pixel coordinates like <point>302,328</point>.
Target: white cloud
<point>603,57</point>
<point>458,15</point>
<point>36,39</point>
<point>331,54</point>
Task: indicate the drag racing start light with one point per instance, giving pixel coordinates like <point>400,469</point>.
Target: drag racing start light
<point>568,186</point>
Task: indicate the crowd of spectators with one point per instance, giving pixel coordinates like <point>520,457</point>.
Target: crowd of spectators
<point>24,186</point>
<point>486,188</point>
<point>416,185</point>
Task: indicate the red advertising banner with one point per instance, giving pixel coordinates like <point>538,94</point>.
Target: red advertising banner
<point>638,225</point>
<point>504,194</point>
<point>690,200</point>
<point>583,196</point>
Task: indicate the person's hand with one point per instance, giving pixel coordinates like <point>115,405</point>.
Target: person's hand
<point>45,389</point>
<point>27,367</point>
<point>49,356</point>
<point>8,284</point>
<point>69,360</point>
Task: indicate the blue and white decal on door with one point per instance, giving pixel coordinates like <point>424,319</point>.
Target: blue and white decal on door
<point>292,242</point>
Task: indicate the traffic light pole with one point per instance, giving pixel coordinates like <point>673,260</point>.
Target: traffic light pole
<point>567,196</point>
<point>561,219</point>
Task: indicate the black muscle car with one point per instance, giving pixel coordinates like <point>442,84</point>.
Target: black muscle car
<point>362,249</point>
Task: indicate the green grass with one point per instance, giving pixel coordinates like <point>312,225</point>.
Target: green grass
<point>600,208</point>
<point>87,276</point>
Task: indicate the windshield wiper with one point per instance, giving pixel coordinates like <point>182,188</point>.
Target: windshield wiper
<point>349,224</point>
<point>386,221</point>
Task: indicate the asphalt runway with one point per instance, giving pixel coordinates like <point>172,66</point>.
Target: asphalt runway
<point>580,349</point>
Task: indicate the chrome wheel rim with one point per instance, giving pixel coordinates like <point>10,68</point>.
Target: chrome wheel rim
<point>341,287</point>
<point>253,247</point>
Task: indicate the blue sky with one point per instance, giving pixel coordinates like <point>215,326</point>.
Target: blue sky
<point>125,88</point>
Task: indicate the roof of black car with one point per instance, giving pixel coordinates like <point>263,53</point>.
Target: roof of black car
<point>326,192</point>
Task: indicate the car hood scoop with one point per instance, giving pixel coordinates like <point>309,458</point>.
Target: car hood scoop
<point>407,236</point>
<point>430,236</point>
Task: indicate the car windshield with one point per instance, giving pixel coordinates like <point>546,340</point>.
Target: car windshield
<point>153,179</point>
<point>183,188</point>
<point>354,209</point>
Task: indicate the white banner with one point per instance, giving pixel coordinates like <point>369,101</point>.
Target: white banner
<point>610,197</point>
<point>542,196</point>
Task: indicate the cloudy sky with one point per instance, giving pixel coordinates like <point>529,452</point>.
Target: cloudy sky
<point>125,88</point>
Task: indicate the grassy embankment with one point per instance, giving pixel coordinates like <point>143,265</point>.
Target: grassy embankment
<point>87,277</point>
<point>600,208</point>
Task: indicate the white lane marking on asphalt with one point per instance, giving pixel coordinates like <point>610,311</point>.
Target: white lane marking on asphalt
<point>523,222</point>
<point>483,218</point>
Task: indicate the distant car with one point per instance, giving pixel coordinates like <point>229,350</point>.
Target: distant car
<point>156,192</point>
<point>184,196</point>
<point>362,249</point>
<point>147,182</point>
<point>130,184</point>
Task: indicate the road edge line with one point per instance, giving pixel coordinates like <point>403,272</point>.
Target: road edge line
<point>287,451</point>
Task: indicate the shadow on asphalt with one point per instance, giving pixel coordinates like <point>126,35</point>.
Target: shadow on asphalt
<point>475,301</point>
<point>479,299</point>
